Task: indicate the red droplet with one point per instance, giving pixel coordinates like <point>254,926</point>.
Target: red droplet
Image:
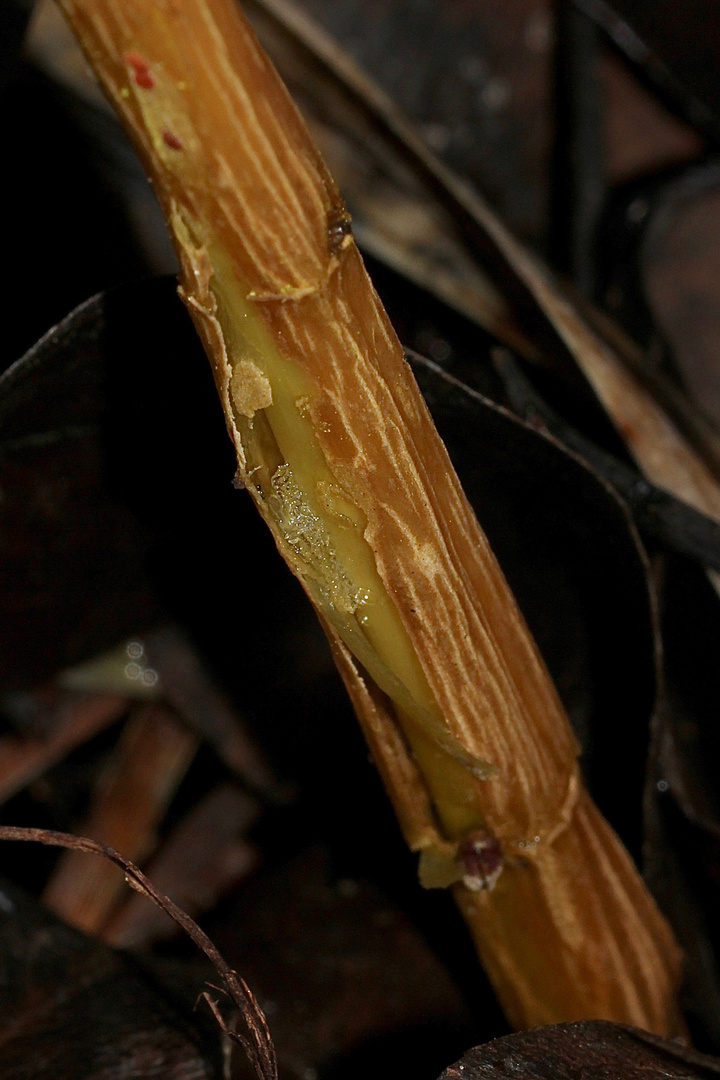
<point>171,140</point>
<point>144,79</point>
<point>141,67</point>
<point>136,60</point>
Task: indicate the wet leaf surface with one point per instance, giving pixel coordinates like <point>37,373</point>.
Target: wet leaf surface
<point>590,1050</point>
<point>683,798</point>
<point>71,556</point>
<point>683,45</point>
<point>662,277</point>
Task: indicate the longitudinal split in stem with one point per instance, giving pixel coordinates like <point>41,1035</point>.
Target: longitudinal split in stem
<point>322,532</point>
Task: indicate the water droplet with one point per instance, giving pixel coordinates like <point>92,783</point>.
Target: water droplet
<point>637,211</point>
<point>135,649</point>
<point>437,136</point>
<point>472,68</point>
<point>348,888</point>
<point>538,31</point>
<point>440,350</point>
<point>495,94</point>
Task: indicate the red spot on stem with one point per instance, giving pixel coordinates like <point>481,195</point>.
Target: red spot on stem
<point>171,140</point>
<point>137,60</point>
<point>141,67</point>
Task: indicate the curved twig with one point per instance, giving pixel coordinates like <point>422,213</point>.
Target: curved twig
<point>259,1045</point>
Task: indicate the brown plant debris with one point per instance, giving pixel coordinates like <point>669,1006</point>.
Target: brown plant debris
<point>130,799</point>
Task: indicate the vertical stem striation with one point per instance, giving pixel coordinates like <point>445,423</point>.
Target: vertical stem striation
<point>336,447</point>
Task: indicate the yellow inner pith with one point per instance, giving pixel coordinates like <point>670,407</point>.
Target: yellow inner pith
<point>323,532</point>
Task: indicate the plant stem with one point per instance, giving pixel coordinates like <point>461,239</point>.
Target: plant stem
<point>336,447</point>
